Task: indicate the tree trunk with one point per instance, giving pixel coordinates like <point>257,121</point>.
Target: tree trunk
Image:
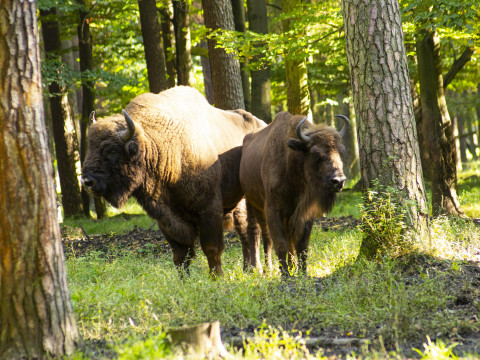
<point>182,41</point>
<point>36,315</point>
<point>167,48</point>
<point>261,102</point>
<point>437,127</point>
<point>66,146</point>
<point>152,44</point>
<point>238,9</point>
<point>298,95</point>
<point>207,75</point>
<point>383,105</point>
<point>226,79</point>
<point>88,100</point>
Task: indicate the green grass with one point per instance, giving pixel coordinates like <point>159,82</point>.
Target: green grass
<point>400,305</point>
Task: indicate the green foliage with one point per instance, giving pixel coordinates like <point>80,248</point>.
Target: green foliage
<point>153,347</point>
<point>384,223</point>
<point>437,351</point>
<point>276,343</point>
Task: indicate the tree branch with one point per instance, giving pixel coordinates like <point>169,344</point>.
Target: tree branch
<point>457,66</point>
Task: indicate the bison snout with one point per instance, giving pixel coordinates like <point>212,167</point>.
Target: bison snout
<point>88,182</point>
<point>337,182</point>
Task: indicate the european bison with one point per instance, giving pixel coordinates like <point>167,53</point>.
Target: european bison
<point>179,157</point>
<point>290,171</point>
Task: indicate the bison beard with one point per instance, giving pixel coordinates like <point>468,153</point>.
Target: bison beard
<point>290,172</point>
<point>179,157</point>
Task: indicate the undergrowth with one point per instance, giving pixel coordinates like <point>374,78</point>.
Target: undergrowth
<point>407,307</point>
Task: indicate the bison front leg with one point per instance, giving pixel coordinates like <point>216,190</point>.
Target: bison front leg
<point>276,228</point>
<point>183,254</point>
<point>211,240</point>
<point>253,241</point>
<point>302,246</point>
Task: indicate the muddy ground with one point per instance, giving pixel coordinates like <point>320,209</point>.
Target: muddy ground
<point>464,286</point>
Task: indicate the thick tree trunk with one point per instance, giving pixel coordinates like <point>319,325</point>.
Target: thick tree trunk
<point>261,102</point>
<point>152,44</point>
<point>36,315</point>
<point>298,95</point>
<point>238,9</point>
<point>182,41</point>
<point>88,101</point>
<point>226,79</point>
<point>66,146</point>
<point>437,126</point>
<point>383,105</point>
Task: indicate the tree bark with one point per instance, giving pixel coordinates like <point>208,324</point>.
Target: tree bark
<point>152,44</point>
<point>88,100</point>
<point>36,315</point>
<point>226,80</point>
<point>383,105</point>
<point>298,95</point>
<point>182,41</point>
<point>261,102</point>
<point>167,34</point>
<point>437,126</point>
<point>238,9</point>
<point>64,134</point>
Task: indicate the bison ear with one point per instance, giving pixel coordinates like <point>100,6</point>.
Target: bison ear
<point>131,148</point>
<point>297,145</point>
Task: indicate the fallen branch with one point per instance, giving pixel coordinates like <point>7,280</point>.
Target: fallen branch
<point>84,232</point>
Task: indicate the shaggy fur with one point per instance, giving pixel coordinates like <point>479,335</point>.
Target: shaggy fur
<point>288,182</point>
<point>181,165</point>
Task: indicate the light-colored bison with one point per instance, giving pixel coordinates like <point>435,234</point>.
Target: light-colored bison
<point>290,172</point>
<point>179,157</point>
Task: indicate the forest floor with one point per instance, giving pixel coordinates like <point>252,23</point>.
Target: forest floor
<point>463,285</point>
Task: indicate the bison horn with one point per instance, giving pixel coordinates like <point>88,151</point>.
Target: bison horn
<point>345,126</point>
<point>128,134</point>
<point>91,119</point>
<point>299,132</point>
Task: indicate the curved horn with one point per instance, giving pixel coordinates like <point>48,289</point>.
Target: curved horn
<point>128,134</point>
<point>299,132</point>
<point>346,125</point>
<point>92,119</point>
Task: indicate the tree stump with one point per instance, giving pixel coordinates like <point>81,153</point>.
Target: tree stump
<point>202,340</point>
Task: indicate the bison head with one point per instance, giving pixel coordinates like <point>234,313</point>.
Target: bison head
<point>113,165</point>
<point>320,156</point>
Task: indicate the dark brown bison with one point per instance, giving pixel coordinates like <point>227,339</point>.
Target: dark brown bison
<point>179,157</point>
<point>290,172</point>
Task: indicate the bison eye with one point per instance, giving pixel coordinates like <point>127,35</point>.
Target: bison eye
<point>317,155</point>
<point>110,154</point>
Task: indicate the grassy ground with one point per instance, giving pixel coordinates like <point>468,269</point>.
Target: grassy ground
<point>429,301</point>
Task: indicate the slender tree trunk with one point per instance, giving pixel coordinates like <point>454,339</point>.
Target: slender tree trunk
<point>226,79</point>
<point>383,105</point>
<point>36,315</point>
<point>182,41</point>
<point>207,75</point>
<point>66,146</point>
<point>238,9</point>
<point>437,126</point>
<point>298,95</point>
<point>167,34</point>
<point>152,44</point>
<point>88,100</point>
<point>261,102</point>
